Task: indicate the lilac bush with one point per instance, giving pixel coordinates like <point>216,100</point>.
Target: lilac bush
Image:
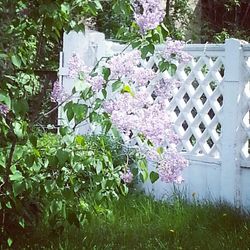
<point>134,97</point>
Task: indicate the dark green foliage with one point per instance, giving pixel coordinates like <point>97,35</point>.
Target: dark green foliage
<point>55,180</point>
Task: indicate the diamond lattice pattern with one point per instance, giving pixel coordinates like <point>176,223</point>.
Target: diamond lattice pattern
<point>197,104</point>
<point>245,150</point>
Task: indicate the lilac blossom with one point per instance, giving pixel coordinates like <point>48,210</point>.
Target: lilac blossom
<point>174,50</point>
<point>76,67</point>
<point>4,110</point>
<point>140,113</point>
<point>142,76</point>
<point>165,87</point>
<point>148,14</point>
<point>96,82</point>
<point>171,166</point>
<point>58,94</point>
<point>124,64</point>
<point>126,176</point>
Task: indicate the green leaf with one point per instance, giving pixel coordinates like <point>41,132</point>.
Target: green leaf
<point>16,60</point>
<point>124,189</point>
<point>63,130</point>
<point>93,8</point>
<point>9,241</point>
<point>106,73</point>
<point>5,98</point>
<point>150,48</point>
<point>153,176</point>
<point>136,44</point>
<point>107,126</point>
<point>172,69</point>
<point>36,167</point>
<point>104,93</point>
<point>16,176</point>
<point>20,106</point>
<point>65,8</point>
<point>22,222</point>
<point>81,85</point>
<point>163,66</point>
<point>20,128</point>
<point>98,103</point>
<point>95,117</point>
<point>160,150</point>
<point>70,114</point>
<point>18,187</point>
<point>8,205</point>
<point>134,171</point>
<point>62,156</point>
<point>98,5</point>
<point>80,111</point>
<point>80,140</point>
<point>3,56</point>
<point>116,85</point>
<point>142,164</point>
<point>127,89</point>
<point>143,176</point>
<point>98,166</point>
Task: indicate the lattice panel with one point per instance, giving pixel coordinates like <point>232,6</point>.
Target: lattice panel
<point>245,150</point>
<point>197,105</point>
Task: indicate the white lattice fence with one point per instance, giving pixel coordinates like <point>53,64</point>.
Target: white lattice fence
<point>245,150</point>
<point>211,113</point>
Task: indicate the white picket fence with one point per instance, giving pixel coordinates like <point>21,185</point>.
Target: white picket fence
<point>212,110</point>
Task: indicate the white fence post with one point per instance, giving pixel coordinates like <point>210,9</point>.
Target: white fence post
<point>89,46</point>
<point>231,128</point>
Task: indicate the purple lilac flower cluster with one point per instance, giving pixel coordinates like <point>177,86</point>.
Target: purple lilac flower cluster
<point>171,166</point>
<point>148,14</point>
<point>4,110</point>
<point>127,65</point>
<point>174,50</point>
<point>165,87</point>
<point>142,76</point>
<point>126,176</point>
<point>58,94</point>
<point>141,114</point>
<point>123,64</point>
<point>76,67</point>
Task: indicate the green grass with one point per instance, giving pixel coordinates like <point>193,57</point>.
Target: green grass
<point>139,222</point>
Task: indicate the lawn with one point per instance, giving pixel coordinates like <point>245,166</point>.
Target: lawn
<point>140,222</point>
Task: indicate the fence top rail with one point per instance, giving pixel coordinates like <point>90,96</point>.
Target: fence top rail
<point>191,47</point>
<point>246,47</point>
<point>199,47</point>
<point>205,47</point>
